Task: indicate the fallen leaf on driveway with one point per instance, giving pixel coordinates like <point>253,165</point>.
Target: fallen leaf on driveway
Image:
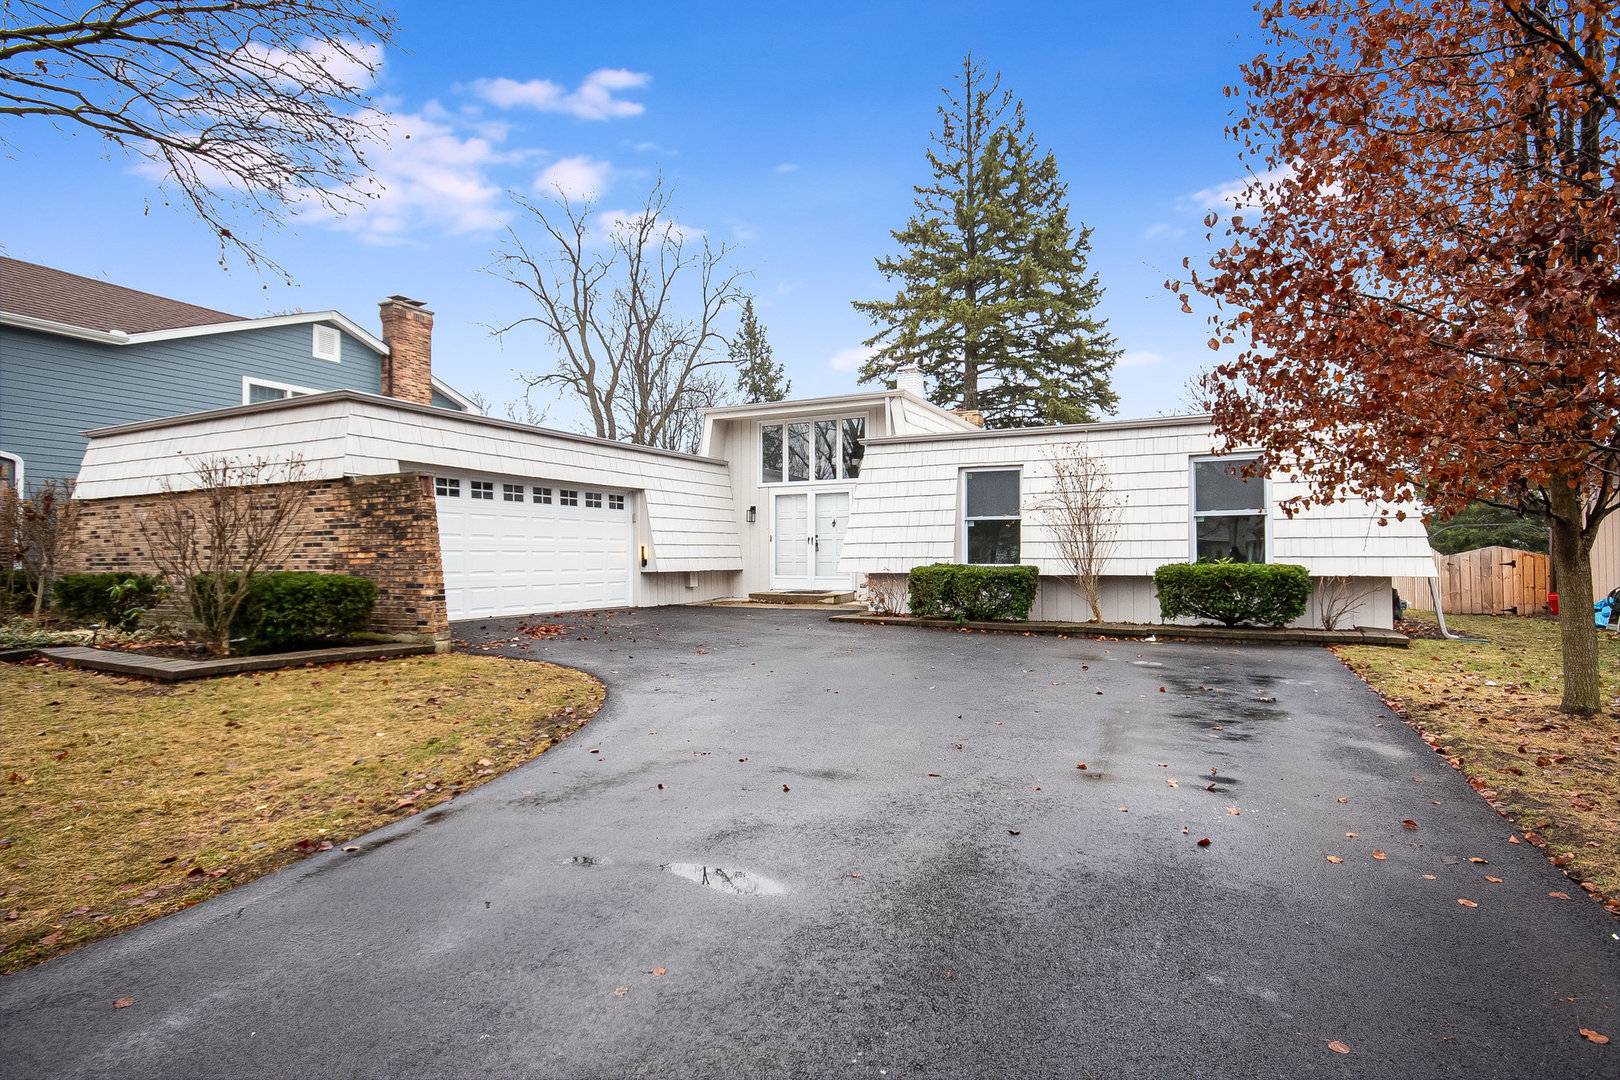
<point>124,1003</point>
<point>1124,810</point>
<point>620,991</point>
<point>1467,903</point>
<point>1172,782</point>
<point>1013,832</point>
<point>1594,1036</point>
<point>1334,859</point>
<point>1430,877</point>
<point>1379,854</point>
<point>1495,879</point>
<point>1204,842</point>
<point>1234,811</point>
<point>1344,800</point>
<point>351,847</point>
<point>1559,895</point>
<point>1338,1047</point>
<point>1409,823</point>
<point>1481,862</point>
<point>1081,765</point>
<point>1352,836</point>
<point>786,788</point>
<point>656,971</point>
<point>1184,830</point>
<point>1514,840</point>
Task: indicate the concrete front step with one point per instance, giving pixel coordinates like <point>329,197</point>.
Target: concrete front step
<point>806,597</point>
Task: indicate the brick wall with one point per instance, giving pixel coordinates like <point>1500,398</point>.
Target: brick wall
<point>380,527</point>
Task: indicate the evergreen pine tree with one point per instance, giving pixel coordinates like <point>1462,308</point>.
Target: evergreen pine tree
<point>995,302</point>
<point>758,379</point>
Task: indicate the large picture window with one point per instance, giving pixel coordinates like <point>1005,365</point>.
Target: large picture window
<point>991,519</point>
<point>811,450</point>
<point>1229,511</point>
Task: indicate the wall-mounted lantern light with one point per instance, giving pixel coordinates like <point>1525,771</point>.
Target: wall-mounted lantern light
<point>750,515</point>
<point>643,554</point>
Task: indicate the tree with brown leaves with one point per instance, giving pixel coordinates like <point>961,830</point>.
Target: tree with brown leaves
<point>1420,279</point>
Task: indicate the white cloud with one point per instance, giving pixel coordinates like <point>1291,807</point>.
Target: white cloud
<point>593,100</point>
<point>647,147</point>
<point>850,359</point>
<point>574,178</point>
<point>787,167</point>
<point>1138,358</point>
<point>345,61</point>
<point>1164,229</point>
<point>1250,192</point>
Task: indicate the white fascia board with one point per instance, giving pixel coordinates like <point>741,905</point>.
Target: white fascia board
<point>841,401</point>
<point>972,432</point>
<point>119,337</point>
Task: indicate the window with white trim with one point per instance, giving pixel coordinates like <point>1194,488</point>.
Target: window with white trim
<point>1228,511</point>
<point>448,486</point>
<point>566,497</point>
<point>615,502</point>
<point>992,521</point>
<point>483,489</point>
<point>811,450</point>
<point>256,390</point>
<point>512,492</point>
<point>11,472</point>
<point>542,495</point>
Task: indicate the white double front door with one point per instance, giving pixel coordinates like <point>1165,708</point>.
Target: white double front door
<point>807,537</point>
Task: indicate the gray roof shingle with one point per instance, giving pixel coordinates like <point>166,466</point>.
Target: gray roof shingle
<point>43,293</point>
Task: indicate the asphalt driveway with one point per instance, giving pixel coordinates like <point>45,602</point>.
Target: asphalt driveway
<point>789,848</point>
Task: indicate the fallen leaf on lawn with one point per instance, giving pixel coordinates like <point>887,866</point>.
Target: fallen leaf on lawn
<point>1594,1036</point>
<point>486,763</point>
<point>1334,859</point>
<point>1467,903</point>
<point>1204,842</point>
<point>1409,823</point>
<point>124,1003</point>
<point>405,802</point>
<point>1338,1047</point>
<point>1477,859</point>
<point>1379,854</point>
<point>1495,879</point>
<point>656,971</point>
<point>51,939</point>
<point>1559,895</point>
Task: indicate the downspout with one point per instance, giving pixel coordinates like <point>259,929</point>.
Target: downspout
<point>1434,591</point>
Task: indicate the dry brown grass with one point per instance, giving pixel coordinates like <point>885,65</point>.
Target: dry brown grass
<point>125,800</point>
<point>1492,709</point>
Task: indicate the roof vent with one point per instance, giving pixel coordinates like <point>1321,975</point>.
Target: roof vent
<point>910,378</point>
<point>328,343</point>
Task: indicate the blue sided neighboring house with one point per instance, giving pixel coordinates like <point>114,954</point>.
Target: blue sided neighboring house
<point>78,354</point>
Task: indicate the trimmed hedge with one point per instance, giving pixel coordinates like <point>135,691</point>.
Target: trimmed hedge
<point>286,609</point>
<point>112,599</point>
<point>1268,593</point>
<point>973,593</point>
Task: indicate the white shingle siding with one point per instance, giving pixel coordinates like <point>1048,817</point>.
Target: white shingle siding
<point>689,523</point>
<point>906,513</point>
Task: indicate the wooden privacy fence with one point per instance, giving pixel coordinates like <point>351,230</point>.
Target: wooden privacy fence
<point>1486,581</point>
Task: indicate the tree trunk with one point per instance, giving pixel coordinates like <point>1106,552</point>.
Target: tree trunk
<point>1578,638</point>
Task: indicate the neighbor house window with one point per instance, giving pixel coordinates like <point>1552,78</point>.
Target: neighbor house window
<point>257,390</point>
<point>991,521</point>
<point>615,502</point>
<point>593,500</point>
<point>1228,511</point>
<point>542,495</point>
<point>565,497</point>
<point>828,449</point>
<point>483,489</point>
<point>446,486</point>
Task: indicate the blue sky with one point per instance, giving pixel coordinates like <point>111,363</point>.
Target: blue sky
<point>794,134</point>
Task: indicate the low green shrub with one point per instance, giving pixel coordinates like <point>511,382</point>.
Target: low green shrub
<point>287,609</point>
<point>17,591</point>
<point>973,593</point>
<point>115,600</point>
<point>1267,593</point>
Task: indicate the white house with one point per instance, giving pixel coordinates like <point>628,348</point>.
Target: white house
<point>509,519</point>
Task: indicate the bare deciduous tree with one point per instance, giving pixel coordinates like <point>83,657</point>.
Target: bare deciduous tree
<point>235,520</point>
<point>249,108</point>
<point>1336,600</point>
<point>1083,514</point>
<point>632,303</point>
<point>43,523</point>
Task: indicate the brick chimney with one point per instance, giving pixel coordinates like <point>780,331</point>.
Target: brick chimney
<point>407,330</point>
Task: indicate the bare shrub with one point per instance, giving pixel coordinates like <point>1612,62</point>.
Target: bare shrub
<point>1336,600</point>
<point>886,593</point>
<point>1083,514</point>
<point>42,524</point>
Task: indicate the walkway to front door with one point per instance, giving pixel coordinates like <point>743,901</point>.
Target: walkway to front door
<point>807,537</point>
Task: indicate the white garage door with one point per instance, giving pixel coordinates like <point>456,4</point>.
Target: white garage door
<point>515,547</point>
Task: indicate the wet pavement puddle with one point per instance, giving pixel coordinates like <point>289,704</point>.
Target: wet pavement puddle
<point>733,882</point>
